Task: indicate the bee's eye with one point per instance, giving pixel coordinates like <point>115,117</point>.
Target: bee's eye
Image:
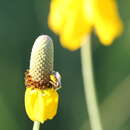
<point>58,76</point>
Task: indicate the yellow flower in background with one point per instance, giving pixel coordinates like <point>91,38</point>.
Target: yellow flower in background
<point>73,20</point>
<point>41,105</point>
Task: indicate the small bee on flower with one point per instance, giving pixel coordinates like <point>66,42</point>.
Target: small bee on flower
<point>55,80</point>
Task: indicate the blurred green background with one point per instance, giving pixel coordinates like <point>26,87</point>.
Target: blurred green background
<point>21,22</point>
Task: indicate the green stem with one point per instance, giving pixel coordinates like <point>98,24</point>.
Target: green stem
<point>36,125</point>
<point>89,86</point>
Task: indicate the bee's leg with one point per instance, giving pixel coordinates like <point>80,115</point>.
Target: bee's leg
<point>58,88</point>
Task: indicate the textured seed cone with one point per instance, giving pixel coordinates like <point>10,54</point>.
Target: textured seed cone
<point>42,55</point>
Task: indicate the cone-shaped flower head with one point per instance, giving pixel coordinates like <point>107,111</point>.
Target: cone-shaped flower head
<point>41,62</point>
<point>72,20</point>
<point>41,97</point>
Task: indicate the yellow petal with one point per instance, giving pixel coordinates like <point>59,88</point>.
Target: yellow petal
<point>41,105</point>
<point>75,28</point>
<point>68,20</point>
<point>106,20</point>
<point>57,14</point>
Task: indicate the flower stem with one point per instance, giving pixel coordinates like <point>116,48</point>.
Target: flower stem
<point>36,125</point>
<point>89,86</point>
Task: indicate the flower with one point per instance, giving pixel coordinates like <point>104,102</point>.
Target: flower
<point>42,83</point>
<point>72,20</point>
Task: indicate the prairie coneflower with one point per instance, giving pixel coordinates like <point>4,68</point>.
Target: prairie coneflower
<point>41,97</point>
<point>73,20</point>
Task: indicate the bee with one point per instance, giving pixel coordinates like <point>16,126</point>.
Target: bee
<point>55,80</point>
